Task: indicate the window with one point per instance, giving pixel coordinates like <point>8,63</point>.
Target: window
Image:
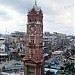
<point>31,73</point>
<point>35,20</point>
<point>32,41</point>
<point>31,51</point>
<point>2,49</point>
<point>30,20</point>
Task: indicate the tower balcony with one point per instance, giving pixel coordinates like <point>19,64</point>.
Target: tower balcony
<point>37,22</point>
<point>40,45</point>
<point>31,45</point>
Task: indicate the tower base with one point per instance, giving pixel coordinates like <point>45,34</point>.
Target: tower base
<point>32,68</point>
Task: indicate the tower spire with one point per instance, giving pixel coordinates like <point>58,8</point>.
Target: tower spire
<point>35,2</point>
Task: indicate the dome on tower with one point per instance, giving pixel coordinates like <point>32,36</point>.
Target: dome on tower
<point>35,15</point>
<point>36,10</point>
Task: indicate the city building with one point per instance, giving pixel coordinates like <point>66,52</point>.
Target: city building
<point>72,59</point>
<point>3,55</point>
<point>2,44</point>
<point>52,42</point>
<point>49,40</point>
<point>15,44</point>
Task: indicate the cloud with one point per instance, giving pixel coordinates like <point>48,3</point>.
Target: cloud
<point>63,19</point>
<point>57,17</point>
<point>19,5</point>
<point>16,20</point>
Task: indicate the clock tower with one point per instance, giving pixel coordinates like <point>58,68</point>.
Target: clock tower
<point>33,60</point>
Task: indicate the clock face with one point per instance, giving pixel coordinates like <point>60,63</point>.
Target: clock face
<point>32,28</point>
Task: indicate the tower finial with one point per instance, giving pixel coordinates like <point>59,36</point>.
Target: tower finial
<point>35,2</point>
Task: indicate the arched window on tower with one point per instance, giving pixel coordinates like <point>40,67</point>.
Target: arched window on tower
<point>30,20</point>
<point>40,20</point>
<point>35,20</point>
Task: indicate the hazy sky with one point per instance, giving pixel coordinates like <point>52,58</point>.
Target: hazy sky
<point>58,15</point>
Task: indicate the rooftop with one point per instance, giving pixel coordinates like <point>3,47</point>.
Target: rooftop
<point>72,57</point>
<point>57,52</point>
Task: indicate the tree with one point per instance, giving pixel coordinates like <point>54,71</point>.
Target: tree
<point>69,67</point>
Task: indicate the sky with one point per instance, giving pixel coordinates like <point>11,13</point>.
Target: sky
<point>58,15</point>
